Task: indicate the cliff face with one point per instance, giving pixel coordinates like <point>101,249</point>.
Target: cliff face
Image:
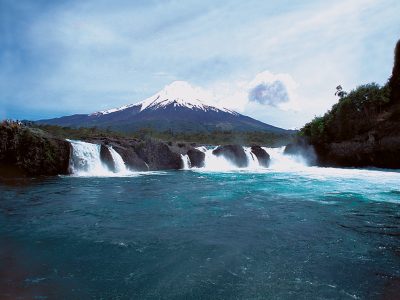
<point>25,151</point>
<point>379,147</point>
<point>362,129</point>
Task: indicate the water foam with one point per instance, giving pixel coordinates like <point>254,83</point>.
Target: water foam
<point>85,160</point>
<point>221,164</point>
<point>120,166</point>
<point>284,162</point>
<point>186,162</point>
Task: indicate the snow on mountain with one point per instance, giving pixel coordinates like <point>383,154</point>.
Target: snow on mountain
<point>112,110</point>
<point>178,94</point>
<point>178,107</point>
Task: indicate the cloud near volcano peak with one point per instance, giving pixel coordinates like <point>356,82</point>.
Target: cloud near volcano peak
<point>269,93</point>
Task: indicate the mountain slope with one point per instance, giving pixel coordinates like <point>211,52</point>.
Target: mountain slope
<point>173,108</point>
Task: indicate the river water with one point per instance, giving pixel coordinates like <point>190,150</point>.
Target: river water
<point>286,232</point>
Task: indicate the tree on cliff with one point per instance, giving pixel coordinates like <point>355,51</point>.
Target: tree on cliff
<point>339,92</point>
<point>394,81</point>
<point>359,111</point>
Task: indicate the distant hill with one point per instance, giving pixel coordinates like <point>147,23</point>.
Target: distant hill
<point>173,108</point>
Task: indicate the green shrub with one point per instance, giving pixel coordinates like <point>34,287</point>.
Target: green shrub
<point>355,113</point>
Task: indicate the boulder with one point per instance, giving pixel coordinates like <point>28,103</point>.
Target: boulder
<point>131,158</point>
<point>234,153</point>
<point>356,153</point>
<point>106,158</point>
<point>144,155</point>
<point>196,158</point>
<point>262,156</point>
<point>158,155</point>
<point>302,148</point>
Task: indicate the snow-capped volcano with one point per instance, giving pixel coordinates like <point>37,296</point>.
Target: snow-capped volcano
<point>178,94</point>
<point>178,107</point>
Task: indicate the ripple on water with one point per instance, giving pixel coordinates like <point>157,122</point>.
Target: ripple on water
<point>203,235</point>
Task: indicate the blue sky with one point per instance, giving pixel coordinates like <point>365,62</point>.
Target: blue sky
<point>277,61</point>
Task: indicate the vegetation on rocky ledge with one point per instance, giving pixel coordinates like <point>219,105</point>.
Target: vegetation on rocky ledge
<point>357,112</point>
<point>363,128</point>
<point>206,138</point>
<point>30,151</point>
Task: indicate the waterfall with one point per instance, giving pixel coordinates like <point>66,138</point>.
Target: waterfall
<point>202,149</point>
<point>217,163</point>
<point>86,161</point>
<point>251,159</point>
<point>120,166</point>
<point>281,161</point>
<point>186,162</point>
<point>213,162</point>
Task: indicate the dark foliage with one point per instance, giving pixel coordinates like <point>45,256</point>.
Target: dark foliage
<point>219,137</point>
<point>362,129</point>
<point>394,81</point>
<point>28,151</point>
<point>75,133</point>
<point>201,137</point>
<point>354,114</point>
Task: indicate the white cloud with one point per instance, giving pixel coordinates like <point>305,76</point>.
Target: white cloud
<point>91,55</point>
<point>237,94</point>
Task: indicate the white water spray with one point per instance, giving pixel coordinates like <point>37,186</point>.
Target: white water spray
<point>283,162</point>
<point>119,163</point>
<point>86,161</point>
<point>186,162</point>
<point>251,159</point>
<point>220,163</point>
<point>215,163</point>
<point>279,161</point>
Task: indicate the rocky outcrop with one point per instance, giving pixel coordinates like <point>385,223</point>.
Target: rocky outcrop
<point>106,158</point>
<point>158,155</point>
<point>376,148</point>
<point>143,155</point>
<point>234,153</point>
<point>263,157</point>
<point>196,157</point>
<point>30,152</point>
<point>302,148</point>
<point>131,158</point>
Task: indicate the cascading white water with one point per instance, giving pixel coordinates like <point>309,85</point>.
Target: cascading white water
<point>202,148</point>
<point>186,162</point>
<point>220,163</point>
<point>215,163</point>
<point>281,161</point>
<point>251,159</point>
<point>119,163</point>
<point>86,161</point>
